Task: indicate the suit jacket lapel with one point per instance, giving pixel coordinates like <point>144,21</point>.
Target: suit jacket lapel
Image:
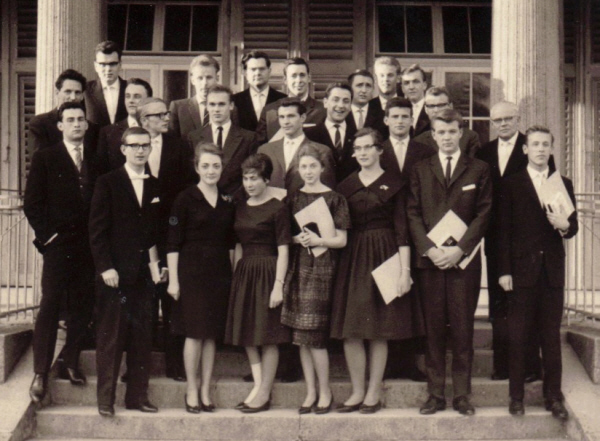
<point>70,167</point>
<point>126,183</point>
<point>436,168</point>
<point>194,110</point>
<point>461,166</point>
<point>517,157</point>
<point>231,144</point>
<point>99,96</point>
<point>146,194</point>
<point>278,153</point>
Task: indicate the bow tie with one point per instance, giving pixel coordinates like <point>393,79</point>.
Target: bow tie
<point>139,177</point>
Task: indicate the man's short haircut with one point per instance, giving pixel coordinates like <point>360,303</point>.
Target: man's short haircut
<point>140,82</point>
<point>144,102</point>
<point>205,60</point>
<point>360,73</point>
<point>297,61</point>
<point>108,47</point>
<point>133,131</point>
<point>369,131</point>
<point>257,55</point>
<point>70,105</point>
<point>448,116</point>
<point>344,86</point>
<point>397,101</point>
<point>219,88</point>
<point>293,102</point>
<point>70,74</point>
<point>258,163</point>
<point>438,91</point>
<point>389,61</point>
<point>206,147</point>
<point>415,68</point>
<point>538,129</point>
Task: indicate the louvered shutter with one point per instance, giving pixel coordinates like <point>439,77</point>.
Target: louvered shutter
<point>26,28</point>
<point>267,27</point>
<point>570,13</point>
<point>330,29</point>
<point>26,112</point>
<point>569,126</point>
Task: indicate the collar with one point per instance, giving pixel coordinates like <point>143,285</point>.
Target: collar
<point>302,98</point>
<point>132,122</point>
<point>295,141</point>
<point>200,103</point>
<point>384,100</point>
<point>454,155</point>
<point>512,140</point>
<point>225,126</point>
<point>533,173</point>
<point>71,148</point>
<point>356,108</point>
<point>116,85</point>
<point>255,94</point>
<point>395,141</point>
<point>157,140</point>
<point>330,125</point>
<point>132,173</point>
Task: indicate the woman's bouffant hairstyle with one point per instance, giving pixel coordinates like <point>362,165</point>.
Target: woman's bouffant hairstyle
<point>313,152</point>
<point>258,163</point>
<point>366,131</point>
<point>206,147</point>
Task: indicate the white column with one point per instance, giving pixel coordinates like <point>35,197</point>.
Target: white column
<point>527,63</point>
<point>67,33</point>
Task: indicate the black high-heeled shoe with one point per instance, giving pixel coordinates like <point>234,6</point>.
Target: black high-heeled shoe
<point>190,409</point>
<point>207,407</point>
<point>248,409</point>
<point>323,410</point>
<point>303,410</point>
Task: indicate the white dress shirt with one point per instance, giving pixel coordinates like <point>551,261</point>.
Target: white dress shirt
<point>505,149</point>
<point>417,108</point>
<point>400,148</point>
<point>137,180</point>
<point>453,163</point>
<point>111,96</point>
<point>356,110</point>
<point>259,99</point>
<point>71,149</point>
<point>215,131</point>
<point>331,129</point>
<point>538,178</point>
<point>155,154</point>
<point>290,147</point>
<point>384,100</point>
<point>132,122</point>
<point>201,108</point>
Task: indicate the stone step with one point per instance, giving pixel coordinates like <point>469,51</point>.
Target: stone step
<point>81,422</point>
<point>227,392</point>
<point>231,363</point>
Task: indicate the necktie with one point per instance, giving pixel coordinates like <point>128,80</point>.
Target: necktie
<point>205,117</point>
<point>361,118</point>
<point>337,143</point>
<point>78,157</point>
<point>539,180</point>
<point>220,137</point>
<point>401,155</point>
<point>503,156</point>
<point>448,169</point>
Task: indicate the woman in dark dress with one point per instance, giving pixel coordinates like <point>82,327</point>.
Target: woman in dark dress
<point>262,226</point>
<point>200,252</point>
<point>379,230</point>
<point>308,286</point>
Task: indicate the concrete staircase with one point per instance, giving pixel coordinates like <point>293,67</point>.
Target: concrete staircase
<point>73,415</point>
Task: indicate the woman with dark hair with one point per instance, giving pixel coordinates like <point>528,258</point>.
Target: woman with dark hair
<point>308,286</point>
<point>376,200</point>
<point>262,226</point>
<point>200,252</point>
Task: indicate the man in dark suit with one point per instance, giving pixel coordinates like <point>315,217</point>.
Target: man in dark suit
<point>190,114</point>
<point>387,73</point>
<point>105,97</point>
<point>414,84</point>
<point>532,270</point>
<point>109,141</point>
<point>437,100</point>
<point>283,153</point>
<point>505,157</point>
<point>250,102</point>
<point>296,74</point>
<point>43,129</point>
<point>363,112</point>
<point>334,132</point>
<point>170,161</point>
<point>57,202</point>
<point>123,229</point>
<point>448,181</point>
<point>237,143</point>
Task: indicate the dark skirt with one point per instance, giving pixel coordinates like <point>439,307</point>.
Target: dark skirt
<point>250,321</point>
<point>358,308</point>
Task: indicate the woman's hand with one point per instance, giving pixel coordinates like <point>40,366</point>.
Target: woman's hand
<point>276,295</point>
<point>309,238</point>
<point>173,290</point>
<point>403,285</point>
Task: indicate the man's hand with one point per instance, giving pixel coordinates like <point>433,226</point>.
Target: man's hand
<point>558,220</point>
<point>436,255</point>
<point>506,282</point>
<point>452,256</point>
<point>173,290</point>
<point>111,278</point>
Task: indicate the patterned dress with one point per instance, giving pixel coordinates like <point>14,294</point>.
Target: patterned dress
<point>308,286</point>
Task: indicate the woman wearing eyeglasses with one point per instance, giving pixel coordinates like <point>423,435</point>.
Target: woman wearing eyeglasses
<point>376,200</point>
<point>200,251</point>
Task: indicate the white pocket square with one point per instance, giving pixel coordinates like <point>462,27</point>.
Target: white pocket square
<point>469,187</point>
<point>155,200</point>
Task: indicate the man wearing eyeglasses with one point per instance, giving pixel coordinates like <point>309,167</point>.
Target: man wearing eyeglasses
<point>57,203</point>
<point>505,157</point>
<point>437,99</point>
<point>170,161</point>
<point>105,97</point>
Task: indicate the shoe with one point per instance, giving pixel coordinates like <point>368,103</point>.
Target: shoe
<point>323,410</point>
<point>248,409</point>
<point>558,409</point>
<point>190,409</point>
<point>179,378</point>
<point>240,405</point>
<point>207,407</point>
<point>39,385</point>
<point>347,408</point>
<point>106,410</point>
<point>75,376</point>
<point>433,405</point>
<point>463,406</point>
<point>498,376</point>
<point>364,408</point>
<point>248,378</point>
<point>530,378</point>
<point>303,410</point>
<point>516,407</point>
<point>146,407</point>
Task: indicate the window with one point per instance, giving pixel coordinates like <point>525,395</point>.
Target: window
<point>454,28</point>
<point>470,94</point>
<point>172,27</point>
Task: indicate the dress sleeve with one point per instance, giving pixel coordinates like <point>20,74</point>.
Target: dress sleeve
<point>283,235</point>
<point>340,212</point>
<point>177,222</point>
<point>400,218</point>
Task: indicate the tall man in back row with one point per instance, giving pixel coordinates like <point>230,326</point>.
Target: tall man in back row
<point>449,180</point>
